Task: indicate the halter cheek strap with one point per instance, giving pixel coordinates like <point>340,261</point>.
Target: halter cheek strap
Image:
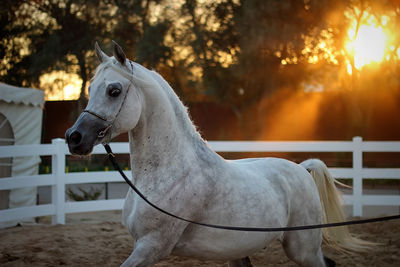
<point>97,115</point>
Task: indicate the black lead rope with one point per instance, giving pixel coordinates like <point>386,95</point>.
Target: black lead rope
<point>111,157</point>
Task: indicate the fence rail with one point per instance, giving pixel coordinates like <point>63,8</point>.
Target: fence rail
<point>58,179</point>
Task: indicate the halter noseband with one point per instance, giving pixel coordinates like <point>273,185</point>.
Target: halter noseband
<point>102,133</point>
<point>95,114</point>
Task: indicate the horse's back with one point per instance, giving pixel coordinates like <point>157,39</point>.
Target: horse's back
<point>291,182</point>
<point>273,170</point>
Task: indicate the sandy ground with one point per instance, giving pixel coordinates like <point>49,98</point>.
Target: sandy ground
<point>98,239</point>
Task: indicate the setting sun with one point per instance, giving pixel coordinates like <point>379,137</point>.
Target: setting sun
<point>369,42</point>
<point>369,45</point>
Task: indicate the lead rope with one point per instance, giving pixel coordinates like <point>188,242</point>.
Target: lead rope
<point>111,157</point>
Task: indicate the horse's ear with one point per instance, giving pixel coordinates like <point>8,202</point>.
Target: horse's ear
<point>100,54</point>
<point>118,53</point>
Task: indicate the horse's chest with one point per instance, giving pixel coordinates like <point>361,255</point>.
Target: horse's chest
<point>138,216</point>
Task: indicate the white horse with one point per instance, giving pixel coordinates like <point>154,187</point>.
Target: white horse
<point>173,166</point>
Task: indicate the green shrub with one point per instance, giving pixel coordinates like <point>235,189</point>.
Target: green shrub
<point>92,194</point>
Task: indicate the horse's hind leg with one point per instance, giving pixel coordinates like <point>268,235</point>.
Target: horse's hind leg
<point>304,248</point>
<point>245,262</point>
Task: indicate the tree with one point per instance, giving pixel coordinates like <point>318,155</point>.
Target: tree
<point>232,52</point>
<point>61,35</point>
<point>142,34</point>
<point>255,36</point>
<point>58,35</point>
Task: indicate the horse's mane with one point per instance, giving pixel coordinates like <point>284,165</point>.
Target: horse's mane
<point>181,111</point>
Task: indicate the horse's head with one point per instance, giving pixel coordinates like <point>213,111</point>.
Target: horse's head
<point>114,104</point>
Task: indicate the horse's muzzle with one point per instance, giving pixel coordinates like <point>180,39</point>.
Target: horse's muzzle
<point>84,134</point>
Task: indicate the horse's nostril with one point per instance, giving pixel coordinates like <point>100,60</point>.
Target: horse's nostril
<point>75,138</point>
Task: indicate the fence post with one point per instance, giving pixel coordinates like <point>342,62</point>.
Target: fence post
<point>357,178</point>
<point>58,190</point>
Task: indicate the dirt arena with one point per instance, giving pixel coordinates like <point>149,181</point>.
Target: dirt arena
<point>85,241</point>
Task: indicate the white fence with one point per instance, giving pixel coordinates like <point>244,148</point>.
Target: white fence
<point>58,179</point>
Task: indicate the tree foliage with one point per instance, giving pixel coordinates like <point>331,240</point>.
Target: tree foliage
<point>235,52</point>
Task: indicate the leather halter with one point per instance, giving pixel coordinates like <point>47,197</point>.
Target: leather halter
<point>103,118</point>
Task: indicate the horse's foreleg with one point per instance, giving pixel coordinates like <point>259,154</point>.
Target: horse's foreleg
<point>245,262</point>
<point>147,252</point>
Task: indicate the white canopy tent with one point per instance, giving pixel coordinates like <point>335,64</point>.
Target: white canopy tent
<point>21,111</point>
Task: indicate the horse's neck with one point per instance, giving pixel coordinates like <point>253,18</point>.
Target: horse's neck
<point>163,136</point>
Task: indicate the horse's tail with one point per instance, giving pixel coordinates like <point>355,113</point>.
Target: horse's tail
<point>332,211</point>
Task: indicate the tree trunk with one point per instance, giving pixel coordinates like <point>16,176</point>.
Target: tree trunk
<point>82,100</point>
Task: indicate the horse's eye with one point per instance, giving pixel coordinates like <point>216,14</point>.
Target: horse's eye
<point>114,89</point>
<point>114,92</point>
